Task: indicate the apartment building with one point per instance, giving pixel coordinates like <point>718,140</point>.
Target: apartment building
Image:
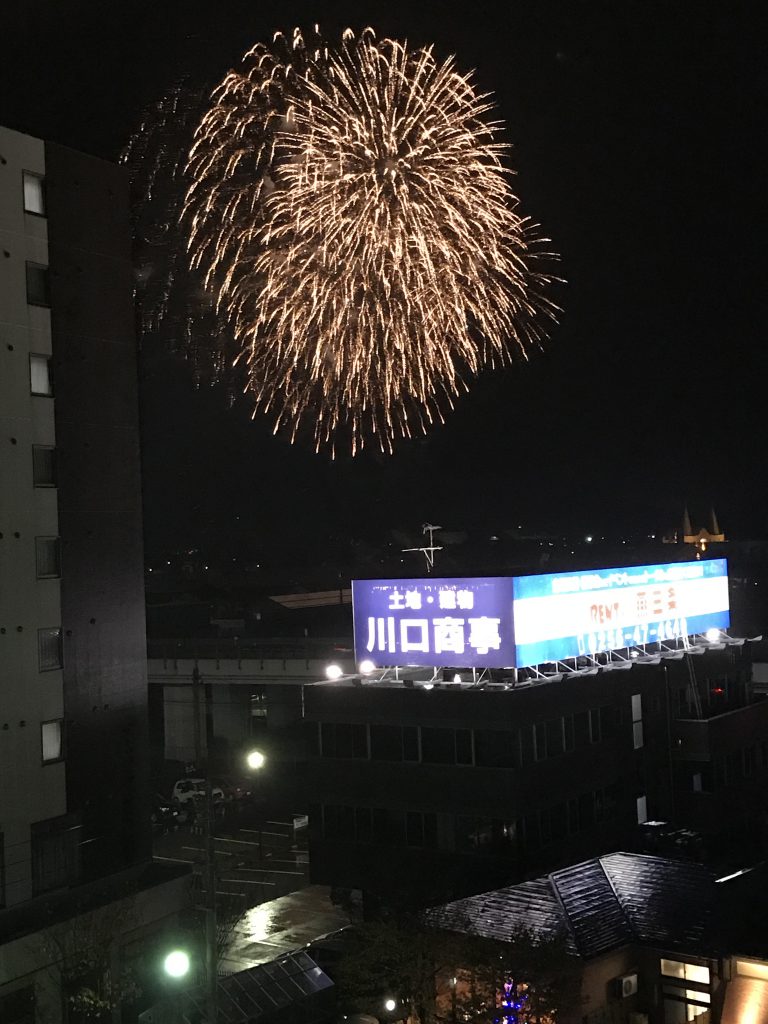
<point>75,834</point>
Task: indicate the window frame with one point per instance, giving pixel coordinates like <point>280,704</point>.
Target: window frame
<point>49,630</point>
<point>61,756</point>
<point>33,264</point>
<point>57,558</point>
<point>25,174</point>
<point>49,364</point>
<point>43,448</point>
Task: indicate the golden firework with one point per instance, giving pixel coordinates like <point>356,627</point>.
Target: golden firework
<point>354,221</point>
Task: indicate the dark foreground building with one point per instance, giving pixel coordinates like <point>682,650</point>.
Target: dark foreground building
<point>423,791</point>
<point>74,816</point>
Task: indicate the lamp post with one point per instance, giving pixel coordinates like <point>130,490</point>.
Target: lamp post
<point>255,759</point>
<point>209,853</point>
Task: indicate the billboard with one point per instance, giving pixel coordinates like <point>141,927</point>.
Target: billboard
<point>505,621</point>
<point>463,623</point>
<point>565,615</point>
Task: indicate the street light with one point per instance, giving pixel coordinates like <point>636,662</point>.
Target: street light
<point>367,666</point>
<point>390,1005</point>
<point>334,672</point>
<point>176,964</point>
<point>255,760</point>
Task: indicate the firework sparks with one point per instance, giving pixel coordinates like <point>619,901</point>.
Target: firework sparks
<point>352,217</point>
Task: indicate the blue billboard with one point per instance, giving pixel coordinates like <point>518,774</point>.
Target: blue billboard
<point>505,621</point>
<point>463,623</point>
<point>571,614</point>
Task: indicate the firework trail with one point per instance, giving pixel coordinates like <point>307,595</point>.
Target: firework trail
<point>353,220</point>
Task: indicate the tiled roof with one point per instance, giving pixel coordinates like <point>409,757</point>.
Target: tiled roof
<point>502,913</point>
<point>669,902</point>
<point>595,915</point>
<point>600,904</point>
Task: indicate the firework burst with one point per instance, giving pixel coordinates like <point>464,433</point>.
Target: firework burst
<point>353,219</point>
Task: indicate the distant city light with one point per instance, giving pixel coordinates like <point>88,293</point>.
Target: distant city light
<point>334,672</point>
<point>588,538</point>
<point>176,964</point>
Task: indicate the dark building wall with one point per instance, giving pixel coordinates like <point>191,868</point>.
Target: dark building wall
<point>532,813</point>
<point>97,438</point>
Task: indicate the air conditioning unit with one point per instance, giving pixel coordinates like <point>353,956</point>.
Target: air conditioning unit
<point>626,986</point>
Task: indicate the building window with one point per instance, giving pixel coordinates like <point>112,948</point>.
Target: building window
<point>34,193</point>
<point>40,375</point>
<point>37,285</point>
<point>681,1011</point>
<point>464,746</point>
<point>363,825</point>
<point>637,720</point>
<point>51,741</point>
<point>751,969</point>
<point>55,854</point>
<point>496,749</point>
<point>47,558</point>
<point>411,743</point>
<point>642,809</point>
<point>43,465</point>
<point>344,740</point>
<point>484,835</point>
<point>437,746</point>
<point>421,829</point>
<point>49,648</point>
<point>386,742</point>
<point>686,972</point>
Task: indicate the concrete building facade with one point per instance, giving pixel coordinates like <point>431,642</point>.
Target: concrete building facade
<point>75,832</point>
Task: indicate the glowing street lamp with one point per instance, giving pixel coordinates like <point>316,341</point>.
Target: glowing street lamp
<point>176,964</point>
<point>334,672</point>
<point>390,1005</point>
<point>255,760</point>
<point>367,666</point>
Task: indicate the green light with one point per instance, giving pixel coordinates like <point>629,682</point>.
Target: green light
<point>176,964</point>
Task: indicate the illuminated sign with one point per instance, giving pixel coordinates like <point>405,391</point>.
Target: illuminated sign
<point>566,615</point>
<point>505,621</point>
<point>463,623</point>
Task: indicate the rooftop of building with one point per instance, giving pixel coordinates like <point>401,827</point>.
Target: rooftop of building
<point>622,899</point>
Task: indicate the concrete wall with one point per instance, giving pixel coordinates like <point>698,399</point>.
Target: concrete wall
<point>30,791</point>
<point>95,363</point>
<point>102,935</point>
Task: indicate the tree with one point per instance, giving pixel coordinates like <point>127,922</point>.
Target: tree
<point>84,961</point>
<point>454,977</point>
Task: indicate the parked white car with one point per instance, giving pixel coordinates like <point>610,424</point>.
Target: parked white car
<point>186,790</point>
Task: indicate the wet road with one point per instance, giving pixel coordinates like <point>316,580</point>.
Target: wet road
<point>262,886</point>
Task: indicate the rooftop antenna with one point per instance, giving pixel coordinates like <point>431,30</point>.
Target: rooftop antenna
<point>428,550</point>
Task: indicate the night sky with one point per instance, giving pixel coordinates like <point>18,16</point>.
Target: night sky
<point>640,143</point>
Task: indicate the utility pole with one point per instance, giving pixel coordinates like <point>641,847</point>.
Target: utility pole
<point>200,697</point>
